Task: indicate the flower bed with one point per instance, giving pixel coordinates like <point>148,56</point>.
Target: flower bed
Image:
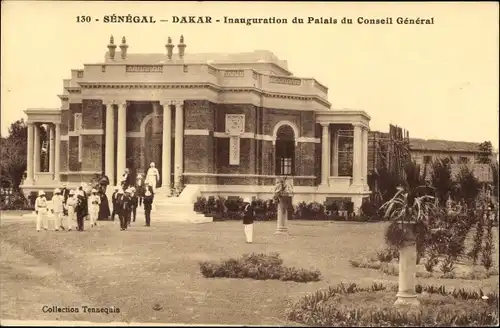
<point>259,267</point>
<point>266,210</point>
<point>353,306</point>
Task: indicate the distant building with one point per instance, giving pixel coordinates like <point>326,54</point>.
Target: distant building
<point>425,151</point>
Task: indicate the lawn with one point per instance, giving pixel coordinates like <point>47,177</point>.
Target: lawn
<point>136,269</point>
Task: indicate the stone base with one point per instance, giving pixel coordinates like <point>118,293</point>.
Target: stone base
<point>281,231</point>
<point>406,300</point>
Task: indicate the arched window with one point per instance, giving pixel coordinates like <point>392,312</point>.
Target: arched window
<point>285,151</point>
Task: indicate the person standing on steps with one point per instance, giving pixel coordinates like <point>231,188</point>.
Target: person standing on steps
<point>148,205</point>
<point>41,211</point>
<point>153,176</point>
<point>248,219</point>
<point>58,209</point>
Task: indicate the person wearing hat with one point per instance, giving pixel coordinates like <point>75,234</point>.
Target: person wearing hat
<point>84,199</point>
<point>94,203</point>
<point>148,205</point>
<point>81,209</point>
<point>70,207</point>
<point>139,186</point>
<point>153,176</point>
<point>124,209</point>
<point>130,205</point>
<point>114,199</point>
<point>134,203</point>
<point>58,209</point>
<point>65,194</point>
<point>248,219</point>
<point>41,210</point>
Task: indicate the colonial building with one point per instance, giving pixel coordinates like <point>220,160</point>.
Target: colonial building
<point>219,124</point>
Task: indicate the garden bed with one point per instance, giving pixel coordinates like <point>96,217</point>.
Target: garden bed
<point>350,305</point>
<point>259,267</point>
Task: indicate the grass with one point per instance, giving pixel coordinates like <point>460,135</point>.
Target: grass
<point>136,269</point>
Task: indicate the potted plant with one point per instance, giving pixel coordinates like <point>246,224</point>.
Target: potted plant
<point>283,191</point>
<point>410,215</point>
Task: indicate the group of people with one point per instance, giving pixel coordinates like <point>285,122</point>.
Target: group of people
<point>87,203</point>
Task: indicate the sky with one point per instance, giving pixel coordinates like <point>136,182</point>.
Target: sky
<point>438,81</point>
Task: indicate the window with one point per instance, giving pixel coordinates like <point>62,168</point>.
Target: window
<point>345,152</point>
<point>285,166</point>
<point>427,159</point>
<point>463,160</point>
<point>78,122</point>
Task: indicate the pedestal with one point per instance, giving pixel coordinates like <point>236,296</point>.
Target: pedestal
<point>407,275</point>
<point>282,210</point>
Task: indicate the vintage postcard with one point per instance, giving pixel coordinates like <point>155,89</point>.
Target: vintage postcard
<point>249,163</point>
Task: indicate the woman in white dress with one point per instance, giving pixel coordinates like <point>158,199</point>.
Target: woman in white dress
<point>152,176</point>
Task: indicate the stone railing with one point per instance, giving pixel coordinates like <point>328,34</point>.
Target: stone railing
<point>234,73</point>
<point>284,80</point>
<point>212,70</point>
<point>144,68</point>
<point>320,86</point>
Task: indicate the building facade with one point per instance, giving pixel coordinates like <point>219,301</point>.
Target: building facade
<point>223,124</point>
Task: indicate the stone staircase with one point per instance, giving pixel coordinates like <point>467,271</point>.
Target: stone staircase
<point>177,209</point>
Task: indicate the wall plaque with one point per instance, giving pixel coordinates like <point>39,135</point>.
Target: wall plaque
<point>235,127</point>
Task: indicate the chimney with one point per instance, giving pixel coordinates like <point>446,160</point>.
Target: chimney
<point>123,48</point>
<point>170,48</point>
<point>181,47</point>
<point>112,47</point>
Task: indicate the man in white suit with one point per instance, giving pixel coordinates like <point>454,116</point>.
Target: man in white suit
<point>153,176</point>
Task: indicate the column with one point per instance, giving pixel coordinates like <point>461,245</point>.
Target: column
<point>29,160</point>
<point>57,152</point>
<point>335,153</point>
<point>109,163</point>
<point>36,151</point>
<point>357,156</point>
<point>166,151</point>
<point>121,151</point>
<point>179,142</point>
<point>50,128</point>
<point>365,155</point>
<point>325,157</point>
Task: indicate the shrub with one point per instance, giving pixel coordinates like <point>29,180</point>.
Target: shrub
<point>200,205</point>
<point>487,254</point>
<point>259,267</point>
<point>350,305</point>
<point>478,241</point>
<point>387,254</point>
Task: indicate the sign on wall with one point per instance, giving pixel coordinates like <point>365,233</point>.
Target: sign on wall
<point>235,127</point>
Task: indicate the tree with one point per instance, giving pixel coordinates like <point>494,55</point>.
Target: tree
<point>485,152</point>
<point>441,179</point>
<point>469,185</point>
<point>13,153</point>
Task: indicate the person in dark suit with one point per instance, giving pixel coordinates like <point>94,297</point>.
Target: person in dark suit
<point>114,202</point>
<point>121,209</point>
<point>248,219</point>
<point>134,203</point>
<point>81,209</point>
<point>84,201</point>
<point>148,205</point>
<point>139,186</point>
<point>65,194</point>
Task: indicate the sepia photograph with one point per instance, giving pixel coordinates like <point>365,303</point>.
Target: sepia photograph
<point>209,163</point>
